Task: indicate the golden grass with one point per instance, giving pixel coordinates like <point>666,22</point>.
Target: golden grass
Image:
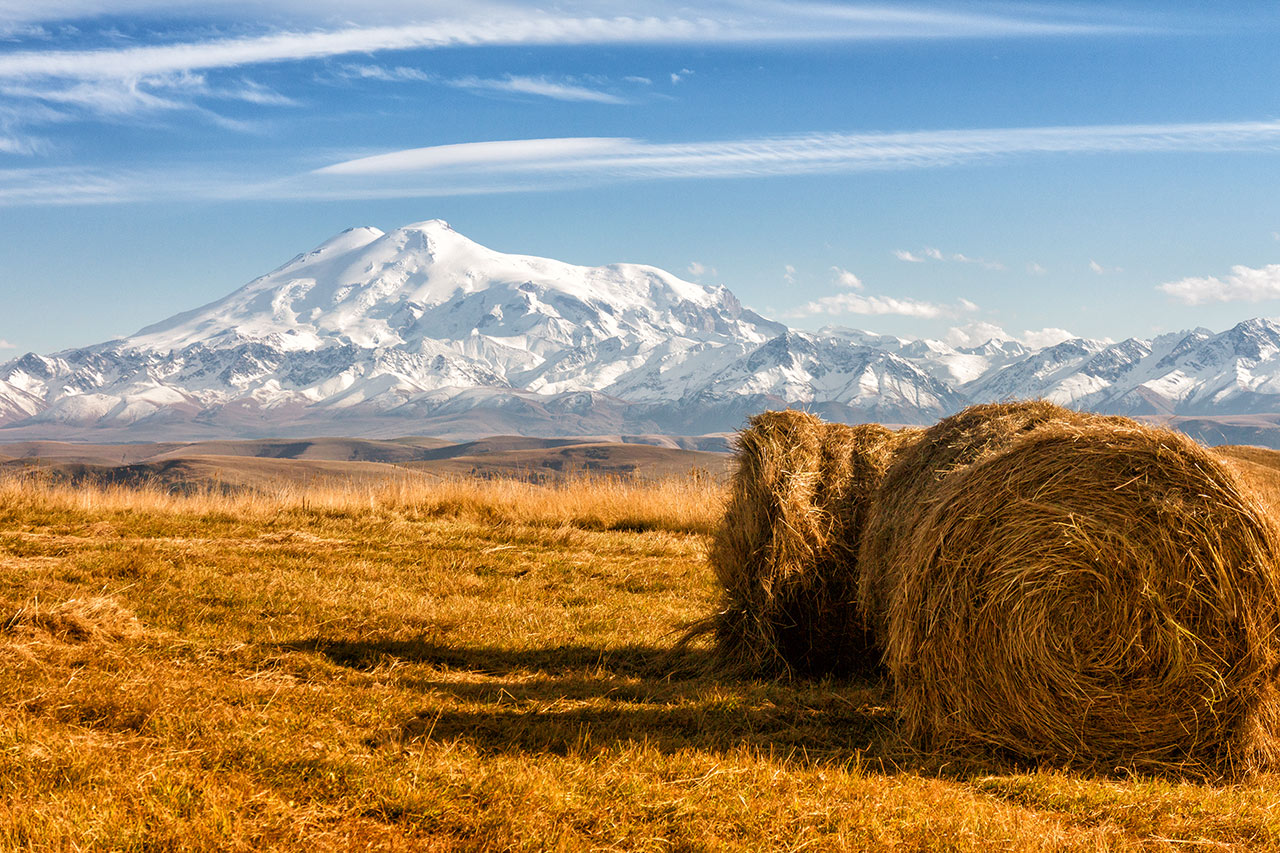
<point>489,668</point>
<point>684,504</point>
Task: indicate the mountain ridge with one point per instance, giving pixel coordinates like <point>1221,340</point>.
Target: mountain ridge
<point>420,329</point>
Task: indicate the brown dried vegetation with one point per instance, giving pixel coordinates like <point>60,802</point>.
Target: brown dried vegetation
<point>1098,594</point>
<point>786,553</point>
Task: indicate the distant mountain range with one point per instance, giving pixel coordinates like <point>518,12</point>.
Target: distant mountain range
<point>422,331</point>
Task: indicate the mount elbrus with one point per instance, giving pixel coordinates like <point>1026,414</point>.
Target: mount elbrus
<point>422,330</point>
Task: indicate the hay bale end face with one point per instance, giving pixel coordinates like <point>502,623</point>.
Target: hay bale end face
<point>786,553</point>
<point>1097,593</point>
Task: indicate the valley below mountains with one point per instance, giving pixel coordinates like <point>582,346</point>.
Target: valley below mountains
<point>420,331</point>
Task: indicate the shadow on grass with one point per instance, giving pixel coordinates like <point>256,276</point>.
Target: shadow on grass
<point>630,660</point>
<point>694,726</point>
<point>572,699</point>
<point>577,698</point>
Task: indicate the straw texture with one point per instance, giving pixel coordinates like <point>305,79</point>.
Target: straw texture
<point>786,554</point>
<point>906,490</point>
<point>1096,593</point>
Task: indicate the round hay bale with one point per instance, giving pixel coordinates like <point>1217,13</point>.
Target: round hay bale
<point>1097,594</point>
<point>786,552</point>
<point>924,460</point>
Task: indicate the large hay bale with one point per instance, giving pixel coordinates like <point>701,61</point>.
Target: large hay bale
<point>786,553</point>
<point>920,465</point>
<point>1098,593</point>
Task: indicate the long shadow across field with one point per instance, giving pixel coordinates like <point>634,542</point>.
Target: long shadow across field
<point>564,699</point>
<point>570,698</point>
<point>631,660</point>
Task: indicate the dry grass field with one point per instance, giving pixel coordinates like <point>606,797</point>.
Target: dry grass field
<point>471,665</point>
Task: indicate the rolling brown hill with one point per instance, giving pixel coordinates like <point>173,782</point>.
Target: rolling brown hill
<point>266,464</point>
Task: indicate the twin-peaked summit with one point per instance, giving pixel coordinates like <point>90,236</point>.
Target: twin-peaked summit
<point>370,323</point>
<point>422,330</point>
<point>425,282</point>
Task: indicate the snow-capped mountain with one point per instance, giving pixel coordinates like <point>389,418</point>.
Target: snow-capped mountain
<point>1186,373</point>
<point>422,330</point>
<point>371,322</point>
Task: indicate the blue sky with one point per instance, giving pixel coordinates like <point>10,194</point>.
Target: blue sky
<point>941,170</point>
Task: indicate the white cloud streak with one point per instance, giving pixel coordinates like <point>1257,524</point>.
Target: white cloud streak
<point>434,24</point>
<point>621,158</point>
<point>63,185</point>
<point>1244,284</point>
<point>904,255</point>
<point>531,165</point>
<point>6,345</point>
<point>43,102</point>
<point>293,47</point>
<point>539,86</point>
<point>497,156</point>
<point>138,79</point>
<point>512,84</point>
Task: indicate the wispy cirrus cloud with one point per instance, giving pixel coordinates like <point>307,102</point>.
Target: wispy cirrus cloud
<point>539,86</point>
<point>431,26</point>
<point>141,79</point>
<point>612,158</point>
<point>1243,284</point>
<point>147,76</point>
<point>36,103</point>
<point>436,23</point>
<point>67,185</point>
<point>499,155</point>
<point>531,165</point>
<point>542,86</point>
